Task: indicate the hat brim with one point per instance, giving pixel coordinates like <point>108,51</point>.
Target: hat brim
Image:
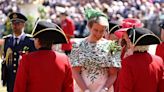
<point>120,32</point>
<point>147,39</point>
<point>52,34</point>
<point>17,20</point>
<point>142,36</point>
<point>113,29</point>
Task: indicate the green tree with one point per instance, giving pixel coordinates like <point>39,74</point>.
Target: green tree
<point>29,24</point>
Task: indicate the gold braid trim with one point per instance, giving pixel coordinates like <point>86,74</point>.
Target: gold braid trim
<point>8,58</point>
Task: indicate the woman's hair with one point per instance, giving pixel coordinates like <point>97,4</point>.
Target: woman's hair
<point>95,20</point>
<point>95,16</point>
<point>45,42</point>
<point>141,48</point>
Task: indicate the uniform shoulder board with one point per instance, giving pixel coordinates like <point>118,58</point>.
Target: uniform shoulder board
<point>7,36</point>
<point>28,35</point>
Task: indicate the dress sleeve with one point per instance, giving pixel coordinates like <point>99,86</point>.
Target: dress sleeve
<point>21,77</point>
<point>116,60</point>
<point>114,56</point>
<point>74,55</point>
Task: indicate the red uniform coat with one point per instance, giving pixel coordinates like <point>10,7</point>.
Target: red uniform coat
<point>123,50</point>
<point>141,72</point>
<point>116,83</point>
<point>44,71</point>
<point>159,50</point>
<point>68,27</point>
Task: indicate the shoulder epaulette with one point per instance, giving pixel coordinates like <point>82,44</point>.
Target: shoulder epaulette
<point>28,35</point>
<point>7,36</point>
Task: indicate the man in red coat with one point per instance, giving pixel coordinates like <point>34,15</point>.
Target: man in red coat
<point>121,34</point>
<point>160,47</point>
<point>68,27</point>
<point>45,70</point>
<point>141,71</point>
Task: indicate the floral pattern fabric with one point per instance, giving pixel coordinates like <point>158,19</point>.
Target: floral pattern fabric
<point>95,58</point>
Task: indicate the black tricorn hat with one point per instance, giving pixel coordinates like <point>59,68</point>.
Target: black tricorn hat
<point>161,25</point>
<point>142,36</point>
<point>113,27</point>
<point>49,31</point>
<point>17,17</point>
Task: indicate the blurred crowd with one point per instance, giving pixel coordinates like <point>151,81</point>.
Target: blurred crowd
<point>150,12</point>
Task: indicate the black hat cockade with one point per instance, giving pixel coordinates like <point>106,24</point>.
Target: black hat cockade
<point>113,27</point>
<point>161,25</point>
<point>18,17</point>
<point>49,31</point>
<point>142,36</point>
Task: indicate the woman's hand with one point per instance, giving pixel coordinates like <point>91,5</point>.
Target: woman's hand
<point>105,89</point>
<point>112,72</point>
<point>79,80</point>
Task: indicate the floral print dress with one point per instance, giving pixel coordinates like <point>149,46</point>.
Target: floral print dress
<point>95,59</point>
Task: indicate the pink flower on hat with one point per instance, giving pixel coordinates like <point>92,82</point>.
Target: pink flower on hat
<point>131,22</point>
<point>126,24</point>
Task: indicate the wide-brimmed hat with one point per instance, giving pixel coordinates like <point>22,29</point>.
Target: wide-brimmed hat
<point>49,31</point>
<point>126,24</point>
<point>120,32</point>
<point>161,25</point>
<point>142,36</point>
<point>17,17</point>
<point>131,22</point>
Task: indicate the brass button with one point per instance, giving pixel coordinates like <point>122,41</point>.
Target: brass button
<point>14,71</point>
<point>15,59</point>
<point>15,53</point>
<point>14,65</point>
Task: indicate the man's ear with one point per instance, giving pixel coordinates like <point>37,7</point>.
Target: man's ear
<point>22,23</point>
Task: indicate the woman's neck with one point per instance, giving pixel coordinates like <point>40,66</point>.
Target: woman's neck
<point>92,39</point>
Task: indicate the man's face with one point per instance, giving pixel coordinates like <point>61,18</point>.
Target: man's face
<point>17,26</point>
<point>62,17</point>
<point>162,34</point>
<point>36,43</point>
<point>125,40</point>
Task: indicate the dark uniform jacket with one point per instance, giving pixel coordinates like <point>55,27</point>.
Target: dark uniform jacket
<point>10,65</point>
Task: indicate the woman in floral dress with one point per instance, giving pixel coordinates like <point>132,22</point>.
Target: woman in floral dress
<point>94,67</point>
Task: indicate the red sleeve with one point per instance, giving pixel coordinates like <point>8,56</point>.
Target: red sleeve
<point>21,77</point>
<point>159,52</point>
<point>123,52</point>
<point>68,82</point>
<point>161,83</point>
<point>126,78</point>
<point>71,27</point>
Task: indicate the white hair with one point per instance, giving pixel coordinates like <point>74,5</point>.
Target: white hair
<point>142,48</point>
